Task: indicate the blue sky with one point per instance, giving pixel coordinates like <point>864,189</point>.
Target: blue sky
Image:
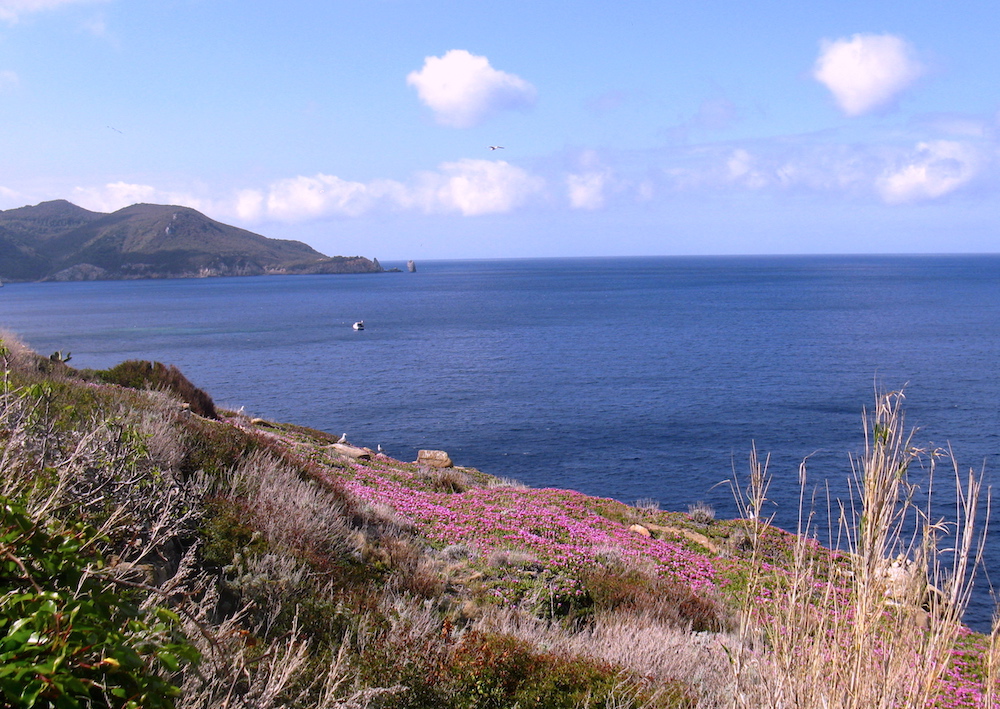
<point>631,128</point>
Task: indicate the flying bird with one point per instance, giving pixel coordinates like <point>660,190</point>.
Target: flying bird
<point>114,129</point>
<point>496,147</point>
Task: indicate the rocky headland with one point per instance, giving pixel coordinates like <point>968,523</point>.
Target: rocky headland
<point>59,241</point>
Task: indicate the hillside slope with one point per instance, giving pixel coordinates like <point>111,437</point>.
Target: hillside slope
<point>60,241</point>
<point>265,565</point>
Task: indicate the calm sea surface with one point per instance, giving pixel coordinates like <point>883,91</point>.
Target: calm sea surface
<point>627,378</point>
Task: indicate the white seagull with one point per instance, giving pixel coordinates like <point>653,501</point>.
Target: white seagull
<point>496,147</point>
<point>342,439</point>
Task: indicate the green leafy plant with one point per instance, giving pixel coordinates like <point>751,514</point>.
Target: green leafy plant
<point>68,636</point>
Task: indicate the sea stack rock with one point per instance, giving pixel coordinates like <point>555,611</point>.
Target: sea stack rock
<point>411,267</point>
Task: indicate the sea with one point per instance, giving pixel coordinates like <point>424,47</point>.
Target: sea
<point>640,379</point>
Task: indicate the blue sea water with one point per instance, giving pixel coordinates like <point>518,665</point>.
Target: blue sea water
<point>632,378</point>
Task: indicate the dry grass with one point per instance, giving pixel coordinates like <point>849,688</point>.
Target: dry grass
<point>506,482</point>
<point>639,643</point>
<point>872,648</point>
<point>290,512</point>
<point>701,513</point>
<point>14,354</point>
<point>647,504</point>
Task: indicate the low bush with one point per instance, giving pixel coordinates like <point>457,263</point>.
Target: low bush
<point>668,602</point>
<point>140,374</point>
<point>68,636</point>
<point>488,670</point>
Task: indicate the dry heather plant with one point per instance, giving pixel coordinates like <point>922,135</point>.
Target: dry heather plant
<point>836,617</point>
<point>506,482</point>
<point>289,511</point>
<point>510,558</point>
<point>701,513</point>
<point>640,644</point>
<point>647,504</point>
<point>449,479</point>
<point>14,354</point>
<point>102,472</point>
<point>385,519</point>
<point>236,671</point>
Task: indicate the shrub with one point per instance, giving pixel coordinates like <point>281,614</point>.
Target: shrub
<point>492,670</point>
<point>67,638</point>
<point>642,594</point>
<point>701,513</point>
<point>647,504</point>
<point>140,374</point>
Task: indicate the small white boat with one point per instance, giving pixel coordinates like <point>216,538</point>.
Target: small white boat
<point>359,325</point>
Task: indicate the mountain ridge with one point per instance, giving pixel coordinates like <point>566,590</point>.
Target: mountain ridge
<point>60,241</point>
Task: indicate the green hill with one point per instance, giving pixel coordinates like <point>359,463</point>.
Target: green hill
<point>60,241</point>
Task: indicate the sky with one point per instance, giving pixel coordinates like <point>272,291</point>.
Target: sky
<point>364,127</point>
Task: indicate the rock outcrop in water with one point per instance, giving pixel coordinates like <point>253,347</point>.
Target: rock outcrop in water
<point>59,241</point>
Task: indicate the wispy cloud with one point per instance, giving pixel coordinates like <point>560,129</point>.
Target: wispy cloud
<point>931,170</point>
<point>587,187</point>
<point>891,173</point>
<point>8,79</point>
<point>12,10</point>
<point>467,187</point>
<point>866,72</point>
<point>463,90</point>
<point>928,168</point>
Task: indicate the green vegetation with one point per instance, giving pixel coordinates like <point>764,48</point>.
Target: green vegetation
<point>71,636</point>
<point>156,551</point>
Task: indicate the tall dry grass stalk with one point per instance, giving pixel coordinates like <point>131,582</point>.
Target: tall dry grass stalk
<point>875,626</point>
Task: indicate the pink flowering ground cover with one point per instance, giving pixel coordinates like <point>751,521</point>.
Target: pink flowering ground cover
<point>561,534</point>
<point>560,529</point>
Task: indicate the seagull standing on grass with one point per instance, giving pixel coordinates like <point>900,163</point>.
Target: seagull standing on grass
<point>343,439</point>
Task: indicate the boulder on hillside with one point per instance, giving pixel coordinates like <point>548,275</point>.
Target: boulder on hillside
<point>434,459</point>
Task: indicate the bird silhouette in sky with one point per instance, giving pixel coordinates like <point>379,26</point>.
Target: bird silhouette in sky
<point>496,147</point>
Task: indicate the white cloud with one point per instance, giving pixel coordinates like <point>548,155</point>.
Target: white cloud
<point>866,72</point>
<point>473,187</point>
<point>741,169</point>
<point>249,205</point>
<point>8,196</point>
<point>463,89</point>
<point>12,10</point>
<point>118,195</point>
<point>933,170</point>
<point>469,187</point>
<point>586,189</point>
<point>300,198</point>
<point>113,196</point>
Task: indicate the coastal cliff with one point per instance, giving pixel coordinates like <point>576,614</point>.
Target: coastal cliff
<point>262,564</point>
<point>59,241</point>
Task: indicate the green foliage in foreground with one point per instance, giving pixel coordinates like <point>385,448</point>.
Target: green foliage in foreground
<point>69,639</point>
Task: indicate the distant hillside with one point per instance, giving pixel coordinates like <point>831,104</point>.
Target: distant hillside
<point>59,241</point>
